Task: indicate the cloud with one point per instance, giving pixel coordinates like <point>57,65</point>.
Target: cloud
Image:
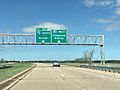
<point>115,4</point>
<point>104,20</point>
<point>104,2</point>
<point>91,3</point>
<point>49,25</point>
<point>117,11</point>
<point>118,3</point>
<point>110,24</point>
<point>113,27</point>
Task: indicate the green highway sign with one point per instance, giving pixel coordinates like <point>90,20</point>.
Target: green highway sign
<point>41,29</point>
<point>59,36</point>
<point>47,36</point>
<point>43,36</point>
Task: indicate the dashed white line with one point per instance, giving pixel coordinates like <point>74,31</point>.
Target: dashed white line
<point>62,75</point>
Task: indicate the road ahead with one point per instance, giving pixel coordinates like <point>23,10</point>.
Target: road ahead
<point>45,77</point>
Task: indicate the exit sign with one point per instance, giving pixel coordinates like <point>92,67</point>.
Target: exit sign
<point>47,36</point>
<point>43,36</point>
<point>59,36</point>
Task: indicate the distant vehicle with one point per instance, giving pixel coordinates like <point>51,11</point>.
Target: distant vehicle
<point>56,64</point>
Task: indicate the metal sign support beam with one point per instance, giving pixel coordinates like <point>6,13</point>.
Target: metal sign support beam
<point>72,39</point>
<point>102,52</point>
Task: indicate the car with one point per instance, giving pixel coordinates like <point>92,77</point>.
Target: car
<point>56,64</point>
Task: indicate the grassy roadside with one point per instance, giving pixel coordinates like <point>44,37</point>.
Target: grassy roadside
<point>108,64</point>
<point>96,64</point>
<point>9,72</point>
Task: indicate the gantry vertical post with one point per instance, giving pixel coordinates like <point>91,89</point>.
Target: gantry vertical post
<point>102,53</point>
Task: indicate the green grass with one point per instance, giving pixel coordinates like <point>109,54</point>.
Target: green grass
<point>108,64</point>
<point>97,64</point>
<point>9,72</point>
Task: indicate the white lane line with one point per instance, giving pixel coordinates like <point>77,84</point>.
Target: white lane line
<point>62,75</point>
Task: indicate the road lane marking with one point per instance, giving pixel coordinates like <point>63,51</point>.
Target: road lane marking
<point>62,75</point>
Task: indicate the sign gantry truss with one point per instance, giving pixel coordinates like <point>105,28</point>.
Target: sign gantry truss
<point>72,39</point>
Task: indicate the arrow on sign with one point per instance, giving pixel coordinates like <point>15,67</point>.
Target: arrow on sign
<point>43,41</point>
<point>38,32</point>
<point>59,41</point>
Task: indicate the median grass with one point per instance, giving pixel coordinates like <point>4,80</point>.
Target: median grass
<point>9,72</point>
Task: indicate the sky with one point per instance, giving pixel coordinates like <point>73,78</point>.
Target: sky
<point>94,17</point>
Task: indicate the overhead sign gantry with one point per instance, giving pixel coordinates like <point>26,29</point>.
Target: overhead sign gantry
<point>44,36</point>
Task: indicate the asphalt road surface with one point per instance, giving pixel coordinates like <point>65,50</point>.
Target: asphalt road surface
<point>46,77</point>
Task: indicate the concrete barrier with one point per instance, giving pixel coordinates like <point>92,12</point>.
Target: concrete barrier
<point>5,66</point>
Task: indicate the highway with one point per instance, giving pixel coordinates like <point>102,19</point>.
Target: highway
<point>46,77</point>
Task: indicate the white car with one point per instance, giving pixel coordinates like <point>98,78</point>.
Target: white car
<point>56,64</point>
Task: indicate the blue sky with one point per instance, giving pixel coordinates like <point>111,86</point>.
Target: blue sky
<point>77,16</point>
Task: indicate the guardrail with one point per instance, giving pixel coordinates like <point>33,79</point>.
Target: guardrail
<point>5,66</point>
<point>102,68</point>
